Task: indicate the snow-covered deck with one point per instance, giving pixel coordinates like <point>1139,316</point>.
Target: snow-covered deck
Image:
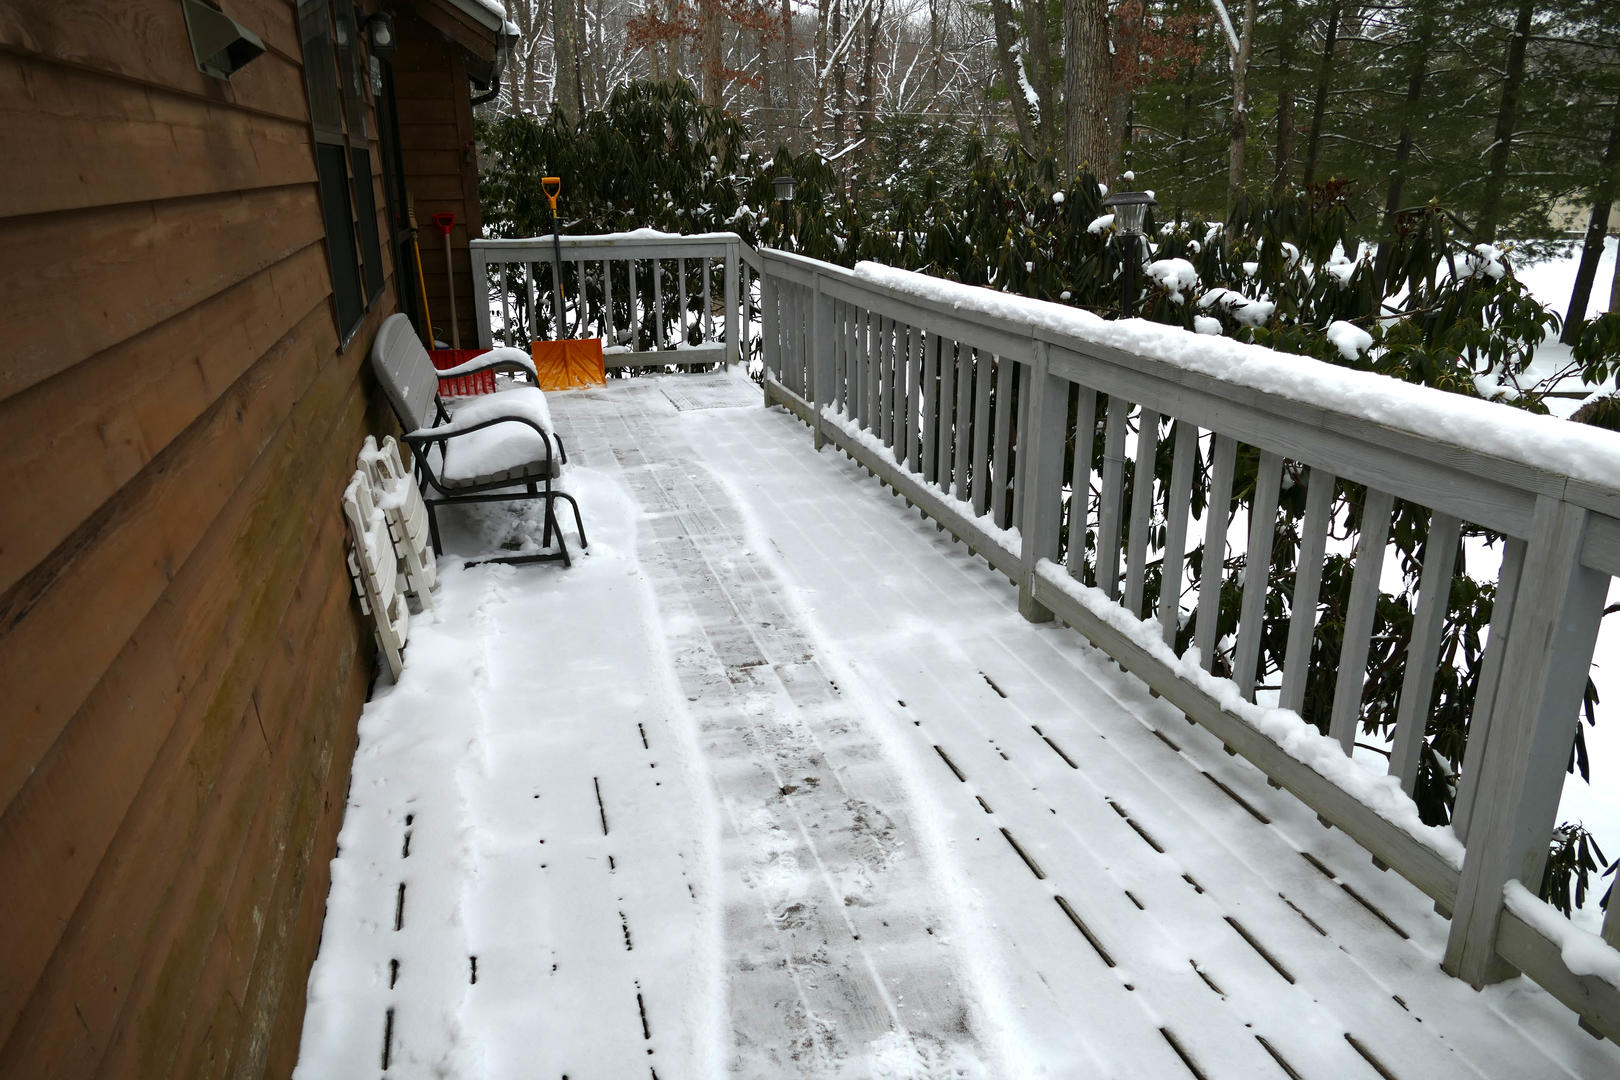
<point>777,782</point>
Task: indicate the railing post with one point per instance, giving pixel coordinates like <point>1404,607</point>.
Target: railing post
<point>1521,775</point>
<point>730,301</point>
<point>480,290</point>
<point>771,345</point>
<point>821,357</point>
<point>1041,476</point>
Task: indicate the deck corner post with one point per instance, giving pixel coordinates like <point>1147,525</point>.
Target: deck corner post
<point>480,295</point>
<point>730,302</point>
<point>1557,611</point>
<point>821,359</point>
<point>771,339</point>
<point>1040,477</point>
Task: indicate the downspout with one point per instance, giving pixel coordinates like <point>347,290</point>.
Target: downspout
<point>498,69</point>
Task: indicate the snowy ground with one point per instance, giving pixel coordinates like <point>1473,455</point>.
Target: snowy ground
<point>775,782</point>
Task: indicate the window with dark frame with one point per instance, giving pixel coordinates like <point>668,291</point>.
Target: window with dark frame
<point>334,78</point>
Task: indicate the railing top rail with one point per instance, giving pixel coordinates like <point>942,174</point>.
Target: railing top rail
<point>1535,454</point>
<point>636,238</point>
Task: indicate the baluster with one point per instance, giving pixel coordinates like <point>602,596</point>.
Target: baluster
<point>930,396</point>
<point>1423,648</point>
<point>770,326</point>
<point>1307,588</point>
<point>1085,436</point>
<point>1219,514</point>
<point>861,371</point>
<point>658,303</point>
<point>706,325</point>
<point>1113,495</point>
<point>633,302</point>
<point>609,334</point>
<point>944,431</point>
<point>1020,442</point>
<point>886,342</point>
<point>914,400</point>
<point>1006,373</point>
<point>983,372</point>
<point>1490,673</point>
<point>1358,619</point>
<point>1257,571</point>
<point>506,308</point>
<point>964,420</point>
<point>529,297</point>
<point>1147,448</point>
<point>1177,508</point>
<point>680,279</point>
<point>902,391</point>
<point>874,351</point>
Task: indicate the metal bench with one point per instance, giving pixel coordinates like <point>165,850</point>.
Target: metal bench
<point>495,448</point>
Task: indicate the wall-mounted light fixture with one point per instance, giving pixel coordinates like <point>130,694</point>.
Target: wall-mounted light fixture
<point>379,29</point>
<point>220,45</point>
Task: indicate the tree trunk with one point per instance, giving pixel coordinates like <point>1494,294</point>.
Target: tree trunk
<point>791,119</point>
<point>818,118</point>
<point>840,79</point>
<point>565,42</point>
<point>1507,119</point>
<point>767,110</point>
<point>867,118</point>
<point>1038,69</point>
<point>1403,150</point>
<point>709,30</point>
<point>1324,74</point>
<point>1240,108</point>
<point>1285,98</point>
<point>1087,74</point>
<point>1006,50</point>
<point>1597,228</point>
<point>933,51</point>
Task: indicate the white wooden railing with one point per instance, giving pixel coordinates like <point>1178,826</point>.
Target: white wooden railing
<point>967,403</point>
<point>970,403</point>
<point>655,299</point>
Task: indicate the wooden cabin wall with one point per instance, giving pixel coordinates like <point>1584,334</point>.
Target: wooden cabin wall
<point>181,662</point>
<point>441,164</point>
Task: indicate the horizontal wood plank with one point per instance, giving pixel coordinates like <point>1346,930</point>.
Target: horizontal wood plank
<point>78,438</point>
<point>146,41</point>
<point>103,141</point>
<point>78,283</point>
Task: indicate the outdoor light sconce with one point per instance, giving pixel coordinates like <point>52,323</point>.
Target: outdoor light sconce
<point>1130,210</point>
<point>1130,215</point>
<point>379,29</point>
<point>220,45</point>
<point>783,188</point>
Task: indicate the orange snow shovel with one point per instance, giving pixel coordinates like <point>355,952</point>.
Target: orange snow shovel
<point>567,362</point>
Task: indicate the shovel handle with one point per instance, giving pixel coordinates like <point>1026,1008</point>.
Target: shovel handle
<point>552,186</point>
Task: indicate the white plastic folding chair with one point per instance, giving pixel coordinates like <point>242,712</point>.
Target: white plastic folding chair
<point>402,506</point>
<point>374,566</point>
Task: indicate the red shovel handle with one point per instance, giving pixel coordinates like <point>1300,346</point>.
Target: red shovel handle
<point>445,221</point>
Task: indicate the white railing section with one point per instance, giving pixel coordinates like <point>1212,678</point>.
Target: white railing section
<point>654,299</point>
<point>971,413</point>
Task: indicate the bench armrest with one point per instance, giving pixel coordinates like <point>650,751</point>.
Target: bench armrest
<point>502,359</point>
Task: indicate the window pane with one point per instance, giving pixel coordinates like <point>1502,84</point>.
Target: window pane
<point>365,204</point>
<point>320,69</point>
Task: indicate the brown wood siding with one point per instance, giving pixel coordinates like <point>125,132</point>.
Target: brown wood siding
<point>182,658</point>
<point>441,165</point>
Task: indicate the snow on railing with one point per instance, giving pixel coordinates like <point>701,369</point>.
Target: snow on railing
<point>970,403</point>
<point>655,299</point>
